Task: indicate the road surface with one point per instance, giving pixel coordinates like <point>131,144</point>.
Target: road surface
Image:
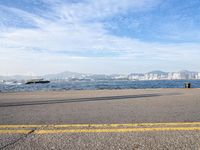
<point>101,119</point>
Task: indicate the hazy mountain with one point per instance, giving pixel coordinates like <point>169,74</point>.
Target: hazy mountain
<point>157,72</point>
<point>187,71</point>
<point>153,75</point>
<point>63,75</point>
<point>17,77</point>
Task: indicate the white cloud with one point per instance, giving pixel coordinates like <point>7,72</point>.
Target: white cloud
<point>92,9</point>
<point>74,32</point>
<point>77,27</point>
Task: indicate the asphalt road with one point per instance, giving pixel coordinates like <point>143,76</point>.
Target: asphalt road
<point>120,110</point>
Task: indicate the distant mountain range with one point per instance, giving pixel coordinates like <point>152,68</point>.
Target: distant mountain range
<point>73,76</point>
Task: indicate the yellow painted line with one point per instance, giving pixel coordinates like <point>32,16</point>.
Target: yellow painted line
<point>100,130</point>
<point>102,125</point>
<point>115,130</point>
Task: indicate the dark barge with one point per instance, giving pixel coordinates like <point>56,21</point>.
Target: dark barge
<point>37,81</point>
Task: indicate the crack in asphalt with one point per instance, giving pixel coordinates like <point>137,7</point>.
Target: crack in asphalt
<point>17,140</point>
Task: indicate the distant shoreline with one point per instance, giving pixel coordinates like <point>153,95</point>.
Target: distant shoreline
<point>101,85</point>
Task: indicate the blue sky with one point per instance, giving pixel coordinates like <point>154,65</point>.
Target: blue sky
<point>104,36</point>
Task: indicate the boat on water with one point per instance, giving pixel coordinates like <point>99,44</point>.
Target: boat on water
<point>37,81</point>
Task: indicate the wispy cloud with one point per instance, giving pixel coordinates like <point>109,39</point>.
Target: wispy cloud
<point>71,35</point>
<point>73,29</point>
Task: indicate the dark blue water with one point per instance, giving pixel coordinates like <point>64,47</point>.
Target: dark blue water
<point>99,85</point>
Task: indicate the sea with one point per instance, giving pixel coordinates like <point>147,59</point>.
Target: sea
<point>96,85</point>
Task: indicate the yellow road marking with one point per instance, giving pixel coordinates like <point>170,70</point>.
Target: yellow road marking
<point>115,130</point>
<point>100,130</point>
<point>102,125</point>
